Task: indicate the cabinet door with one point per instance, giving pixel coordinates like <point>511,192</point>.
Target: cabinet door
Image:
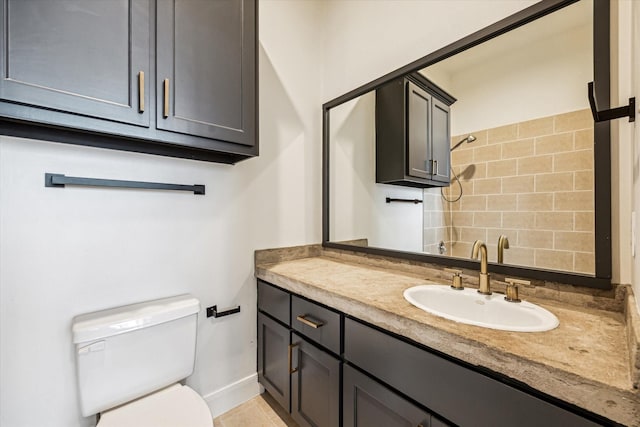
<point>369,404</point>
<point>77,56</point>
<point>419,162</point>
<point>273,359</point>
<point>315,386</point>
<point>440,140</point>
<point>206,79</point>
<point>441,385</point>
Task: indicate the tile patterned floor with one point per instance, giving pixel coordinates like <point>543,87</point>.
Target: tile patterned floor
<point>261,411</point>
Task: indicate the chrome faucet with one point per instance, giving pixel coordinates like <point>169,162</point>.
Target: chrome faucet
<point>483,278</point>
<point>503,243</point>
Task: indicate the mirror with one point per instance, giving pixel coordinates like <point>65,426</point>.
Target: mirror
<point>523,166</point>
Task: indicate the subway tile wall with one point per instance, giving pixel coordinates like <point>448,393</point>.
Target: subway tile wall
<point>531,181</point>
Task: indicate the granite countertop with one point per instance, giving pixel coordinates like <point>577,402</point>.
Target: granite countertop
<point>586,360</point>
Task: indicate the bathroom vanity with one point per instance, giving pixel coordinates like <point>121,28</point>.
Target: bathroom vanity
<point>333,328</point>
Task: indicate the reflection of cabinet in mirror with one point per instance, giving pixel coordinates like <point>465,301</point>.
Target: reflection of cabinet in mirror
<point>412,133</point>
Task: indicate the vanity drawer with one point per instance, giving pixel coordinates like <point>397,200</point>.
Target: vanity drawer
<point>274,301</point>
<point>460,394</point>
<point>318,323</point>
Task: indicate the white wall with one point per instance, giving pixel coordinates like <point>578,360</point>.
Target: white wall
<point>534,71</point>
<point>548,77</point>
<point>68,251</point>
<point>358,207</point>
<point>365,39</point>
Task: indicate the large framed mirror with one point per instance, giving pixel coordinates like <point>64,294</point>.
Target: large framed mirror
<point>529,171</point>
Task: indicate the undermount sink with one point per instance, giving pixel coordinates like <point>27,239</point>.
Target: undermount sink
<point>489,311</point>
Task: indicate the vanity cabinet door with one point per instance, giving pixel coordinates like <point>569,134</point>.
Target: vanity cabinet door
<point>273,359</point>
<point>75,56</point>
<point>367,403</point>
<point>206,76</point>
<point>315,386</point>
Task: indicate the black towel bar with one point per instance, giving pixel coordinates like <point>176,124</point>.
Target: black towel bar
<point>414,201</point>
<point>58,180</point>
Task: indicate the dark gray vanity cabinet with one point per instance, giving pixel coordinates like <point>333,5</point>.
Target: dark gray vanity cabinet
<point>315,385</point>
<point>170,77</point>
<point>461,395</point>
<point>413,133</point>
<point>206,69</point>
<point>311,358</point>
<point>87,58</point>
<point>369,403</point>
<point>299,371</point>
<point>273,368</point>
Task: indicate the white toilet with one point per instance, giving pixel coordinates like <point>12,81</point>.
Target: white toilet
<point>129,362</point>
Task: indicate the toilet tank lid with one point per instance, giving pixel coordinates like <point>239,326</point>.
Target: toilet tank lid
<point>115,321</point>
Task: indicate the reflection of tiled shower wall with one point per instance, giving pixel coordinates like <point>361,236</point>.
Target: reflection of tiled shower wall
<point>533,182</point>
<point>435,222</point>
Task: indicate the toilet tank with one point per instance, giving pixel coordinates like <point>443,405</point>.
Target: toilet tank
<point>126,352</point>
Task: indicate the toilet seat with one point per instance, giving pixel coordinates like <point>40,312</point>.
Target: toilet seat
<point>174,406</point>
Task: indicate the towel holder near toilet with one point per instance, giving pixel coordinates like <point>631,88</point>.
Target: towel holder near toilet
<point>612,113</point>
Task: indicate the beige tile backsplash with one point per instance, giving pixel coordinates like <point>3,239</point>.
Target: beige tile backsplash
<point>533,182</point>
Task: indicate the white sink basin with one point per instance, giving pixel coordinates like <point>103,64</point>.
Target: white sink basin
<point>489,311</point>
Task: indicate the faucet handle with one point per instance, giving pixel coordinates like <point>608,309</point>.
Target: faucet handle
<point>456,280</point>
<point>511,280</point>
<point>512,288</point>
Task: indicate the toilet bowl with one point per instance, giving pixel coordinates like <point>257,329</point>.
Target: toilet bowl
<point>174,406</point>
<point>130,361</point>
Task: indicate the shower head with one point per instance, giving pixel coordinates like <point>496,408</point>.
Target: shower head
<point>468,139</point>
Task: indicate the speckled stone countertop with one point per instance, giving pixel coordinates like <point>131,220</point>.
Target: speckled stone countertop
<point>587,360</point>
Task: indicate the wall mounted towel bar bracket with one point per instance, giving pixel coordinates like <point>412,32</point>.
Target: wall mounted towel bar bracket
<point>613,113</point>
<point>213,311</point>
<point>414,201</point>
<point>58,180</point>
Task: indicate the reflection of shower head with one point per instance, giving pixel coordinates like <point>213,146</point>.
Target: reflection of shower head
<point>468,139</point>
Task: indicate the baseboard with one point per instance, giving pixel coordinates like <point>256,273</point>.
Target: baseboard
<point>228,397</point>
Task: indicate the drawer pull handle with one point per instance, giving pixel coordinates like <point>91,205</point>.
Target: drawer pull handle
<point>165,112</point>
<point>141,91</point>
<point>291,369</point>
<point>315,325</point>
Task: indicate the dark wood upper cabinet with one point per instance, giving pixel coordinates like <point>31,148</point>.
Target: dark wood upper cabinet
<point>206,68</point>
<point>170,77</point>
<point>77,56</point>
<point>413,135</point>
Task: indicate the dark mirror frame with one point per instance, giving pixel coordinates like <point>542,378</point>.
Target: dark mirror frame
<point>602,144</point>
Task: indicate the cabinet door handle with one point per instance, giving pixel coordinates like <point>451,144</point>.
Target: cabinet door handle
<point>435,167</point>
<point>291,369</point>
<point>165,110</point>
<point>315,325</point>
<point>141,91</point>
